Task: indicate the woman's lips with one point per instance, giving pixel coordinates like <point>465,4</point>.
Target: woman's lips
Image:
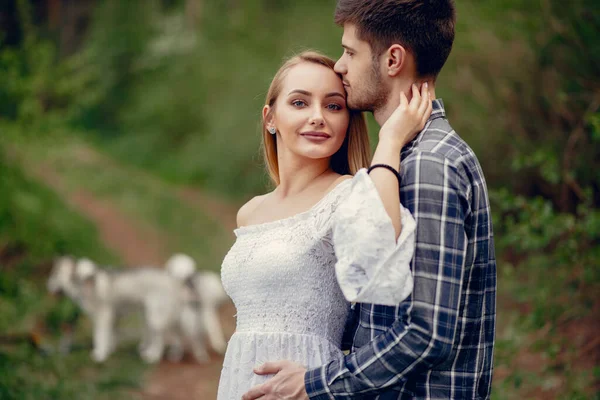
<point>316,136</point>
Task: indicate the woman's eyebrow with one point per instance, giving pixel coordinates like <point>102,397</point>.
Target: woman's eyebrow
<point>335,94</point>
<point>306,93</point>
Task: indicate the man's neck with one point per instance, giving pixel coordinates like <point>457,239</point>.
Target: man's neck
<point>383,113</point>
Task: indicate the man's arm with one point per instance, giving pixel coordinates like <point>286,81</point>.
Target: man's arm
<point>435,192</point>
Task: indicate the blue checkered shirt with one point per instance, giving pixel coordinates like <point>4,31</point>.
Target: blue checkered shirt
<point>438,343</point>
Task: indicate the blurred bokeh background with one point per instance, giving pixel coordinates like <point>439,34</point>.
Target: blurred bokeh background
<point>129,131</point>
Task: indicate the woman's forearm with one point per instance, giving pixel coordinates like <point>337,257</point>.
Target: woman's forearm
<point>388,152</point>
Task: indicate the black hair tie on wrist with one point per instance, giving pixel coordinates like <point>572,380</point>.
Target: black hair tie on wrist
<point>388,167</point>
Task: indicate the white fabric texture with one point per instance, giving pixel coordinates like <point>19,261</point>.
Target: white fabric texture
<point>288,278</point>
<point>372,267</point>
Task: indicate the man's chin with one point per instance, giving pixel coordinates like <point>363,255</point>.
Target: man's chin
<point>352,103</point>
<point>358,106</point>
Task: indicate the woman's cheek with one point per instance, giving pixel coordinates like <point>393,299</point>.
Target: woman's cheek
<point>342,125</point>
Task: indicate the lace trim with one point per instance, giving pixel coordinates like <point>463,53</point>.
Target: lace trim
<point>291,219</point>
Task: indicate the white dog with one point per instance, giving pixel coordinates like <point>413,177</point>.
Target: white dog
<point>104,294</point>
<point>62,281</point>
<point>207,290</point>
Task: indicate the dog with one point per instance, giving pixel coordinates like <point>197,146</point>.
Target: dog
<point>204,287</point>
<point>170,318</point>
<point>61,283</point>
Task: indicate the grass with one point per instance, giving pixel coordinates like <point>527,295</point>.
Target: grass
<point>35,226</point>
<point>150,202</point>
<point>547,315</point>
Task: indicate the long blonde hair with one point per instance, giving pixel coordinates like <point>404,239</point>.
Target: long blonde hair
<point>355,152</point>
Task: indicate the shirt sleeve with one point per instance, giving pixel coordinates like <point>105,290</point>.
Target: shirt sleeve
<point>433,189</point>
<point>371,267</point>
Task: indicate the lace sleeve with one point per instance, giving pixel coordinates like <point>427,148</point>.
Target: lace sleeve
<point>371,266</point>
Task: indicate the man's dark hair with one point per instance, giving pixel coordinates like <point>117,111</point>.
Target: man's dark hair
<point>423,27</point>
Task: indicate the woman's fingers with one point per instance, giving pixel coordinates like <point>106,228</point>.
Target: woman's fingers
<point>427,110</point>
<point>425,98</point>
<point>403,100</point>
<point>416,98</point>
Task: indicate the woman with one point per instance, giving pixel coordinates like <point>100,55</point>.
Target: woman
<point>322,238</point>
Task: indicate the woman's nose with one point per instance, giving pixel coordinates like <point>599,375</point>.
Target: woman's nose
<point>317,118</point>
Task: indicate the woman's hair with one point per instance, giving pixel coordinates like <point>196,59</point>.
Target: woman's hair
<point>355,151</point>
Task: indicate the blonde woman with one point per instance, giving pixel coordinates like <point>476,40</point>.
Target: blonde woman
<point>330,234</point>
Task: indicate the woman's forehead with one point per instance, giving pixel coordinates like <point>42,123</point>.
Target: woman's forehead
<point>313,78</point>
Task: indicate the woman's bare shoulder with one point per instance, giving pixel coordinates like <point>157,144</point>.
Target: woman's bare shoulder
<point>337,181</point>
<point>246,211</point>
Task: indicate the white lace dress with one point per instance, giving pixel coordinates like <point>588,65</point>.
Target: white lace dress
<point>292,280</point>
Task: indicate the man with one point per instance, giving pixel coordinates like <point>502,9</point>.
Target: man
<point>437,344</point>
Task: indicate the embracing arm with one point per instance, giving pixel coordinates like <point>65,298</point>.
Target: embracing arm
<point>434,190</point>
<point>406,121</point>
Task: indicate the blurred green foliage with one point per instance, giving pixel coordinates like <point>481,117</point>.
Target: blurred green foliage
<point>181,97</point>
<point>35,226</point>
<point>35,221</point>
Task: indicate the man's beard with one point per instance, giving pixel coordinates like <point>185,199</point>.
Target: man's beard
<point>372,94</point>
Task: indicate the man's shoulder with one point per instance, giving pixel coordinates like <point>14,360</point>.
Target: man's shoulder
<point>439,147</point>
<point>440,142</point>
<point>441,139</point>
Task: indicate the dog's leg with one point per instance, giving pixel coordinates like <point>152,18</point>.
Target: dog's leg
<point>117,331</point>
<point>212,325</point>
<point>191,325</point>
<point>153,353</point>
<point>175,346</point>
<point>145,341</point>
<point>199,350</point>
<point>103,340</point>
<point>158,314</point>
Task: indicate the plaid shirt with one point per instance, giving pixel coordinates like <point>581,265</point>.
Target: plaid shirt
<point>438,343</point>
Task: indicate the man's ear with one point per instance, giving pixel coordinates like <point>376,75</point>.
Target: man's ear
<point>395,59</point>
<point>268,117</point>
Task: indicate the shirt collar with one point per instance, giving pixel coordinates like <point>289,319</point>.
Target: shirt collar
<point>438,111</point>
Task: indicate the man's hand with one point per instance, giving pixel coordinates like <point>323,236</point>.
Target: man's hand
<point>288,382</point>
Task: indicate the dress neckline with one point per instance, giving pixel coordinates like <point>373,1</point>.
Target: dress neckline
<point>287,220</point>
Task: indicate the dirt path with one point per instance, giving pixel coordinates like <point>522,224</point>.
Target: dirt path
<point>135,244</point>
<point>138,244</point>
<point>189,380</point>
<point>220,211</point>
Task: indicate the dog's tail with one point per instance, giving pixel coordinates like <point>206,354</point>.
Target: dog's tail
<point>85,269</point>
<point>181,266</point>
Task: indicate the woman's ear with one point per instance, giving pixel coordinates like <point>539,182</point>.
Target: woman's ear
<point>268,117</point>
<point>395,59</point>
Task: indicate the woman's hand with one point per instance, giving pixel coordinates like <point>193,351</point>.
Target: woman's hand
<point>409,118</point>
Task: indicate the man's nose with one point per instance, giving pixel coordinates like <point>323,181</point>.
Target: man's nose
<point>340,67</point>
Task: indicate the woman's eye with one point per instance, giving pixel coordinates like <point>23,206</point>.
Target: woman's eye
<point>334,107</point>
<point>298,103</point>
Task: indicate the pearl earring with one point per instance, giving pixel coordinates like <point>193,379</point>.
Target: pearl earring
<point>272,131</point>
